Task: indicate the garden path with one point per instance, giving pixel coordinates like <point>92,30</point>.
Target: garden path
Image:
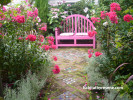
<point>68,84</point>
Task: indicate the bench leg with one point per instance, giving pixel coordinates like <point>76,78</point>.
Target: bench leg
<point>56,44</point>
<point>94,44</point>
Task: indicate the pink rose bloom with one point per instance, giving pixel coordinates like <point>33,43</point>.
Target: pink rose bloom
<point>97,54</point>
<point>53,47</point>
<point>103,15</point>
<point>56,70</point>
<point>0,25</point>
<point>46,47</point>
<point>90,51</point>
<point>69,5</point>
<point>95,19</point>
<point>113,17</point>
<point>4,9</point>
<point>50,42</point>
<point>50,38</point>
<point>20,38</point>
<point>55,58</point>
<point>20,19</point>
<point>128,18</point>
<point>115,7</point>
<point>31,37</point>
<point>90,55</point>
<point>41,38</point>
<point>91,34</point>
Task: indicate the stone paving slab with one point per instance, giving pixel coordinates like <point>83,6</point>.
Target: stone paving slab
<point>70,80</point>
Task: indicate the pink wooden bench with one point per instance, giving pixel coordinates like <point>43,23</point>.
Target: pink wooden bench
<point>75,27</point>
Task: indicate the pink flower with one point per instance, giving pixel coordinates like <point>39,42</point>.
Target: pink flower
<point>35,12</point>
<point>90,55</point>
<point>90,51</point>
<point>113,17</point>
<point>31,37</point>
<point>97,54</point>
<point>43,28</point>
<point>115,7</point>
<point>4,9</point>
<point>30,13</point>
<point>20,19</point>
<point>2,16</point>
<point>128,18</point>
<point>26,1</point>
<point>103,15</point>
<point>41,38</point>
<point>50,42</point>
<point>98,97</point>
<point>56,70</point>
<point>55,58</point>
<point>50,38</point>
<point>53,47</point>
<point>95,83</point>
<point>0,25</point>
<point>20,38</point>
<point>90,34</point>
<point>69,5</point>
<point>95,19</point>
<point>18,10</point>
<point>94,32</point>
<point>39,44</point>
<point>46,47</point>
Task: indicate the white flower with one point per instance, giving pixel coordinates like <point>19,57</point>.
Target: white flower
<point>93,11</point>
<point>56,16</point>
<point>105,23</point>
<point>85,10</point>
<point>63,16</point>
<point>94,28</point>
<point>87,16</point>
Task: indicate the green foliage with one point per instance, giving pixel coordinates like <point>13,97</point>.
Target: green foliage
<point>5,2</point>
<point>29,87</point>
<point>19,55</point>
<point>42,6</point>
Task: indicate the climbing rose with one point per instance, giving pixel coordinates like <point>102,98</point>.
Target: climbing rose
<point>97,54</point>
<point>113,17</point>
<point>31,37</point>
<point>103,15</point>
<point>94,32</point>
<point>115,7</point>
<point>53,47</point>
<point>128,18</point>
<point>55,58</point>
<point>41,38</point>
<point>50,42</point>
<point>90,55</point>
<point>4,9</point>
<point>46,47</point>
<point>95,19</point>
<point>90,51</point>
<point>91,34</point>
<point>43,28</point>
<point>20,19</point>
<point>20,38</point>
<point>0,25</point>
<point>56,70</point>
<point>50,38</point>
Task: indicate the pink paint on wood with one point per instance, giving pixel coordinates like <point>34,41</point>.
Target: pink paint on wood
<point>79,18</point>
<point>81,25</point>
<point>72,24</point>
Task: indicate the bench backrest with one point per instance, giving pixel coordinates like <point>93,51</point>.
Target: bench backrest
<point>77,24</point>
